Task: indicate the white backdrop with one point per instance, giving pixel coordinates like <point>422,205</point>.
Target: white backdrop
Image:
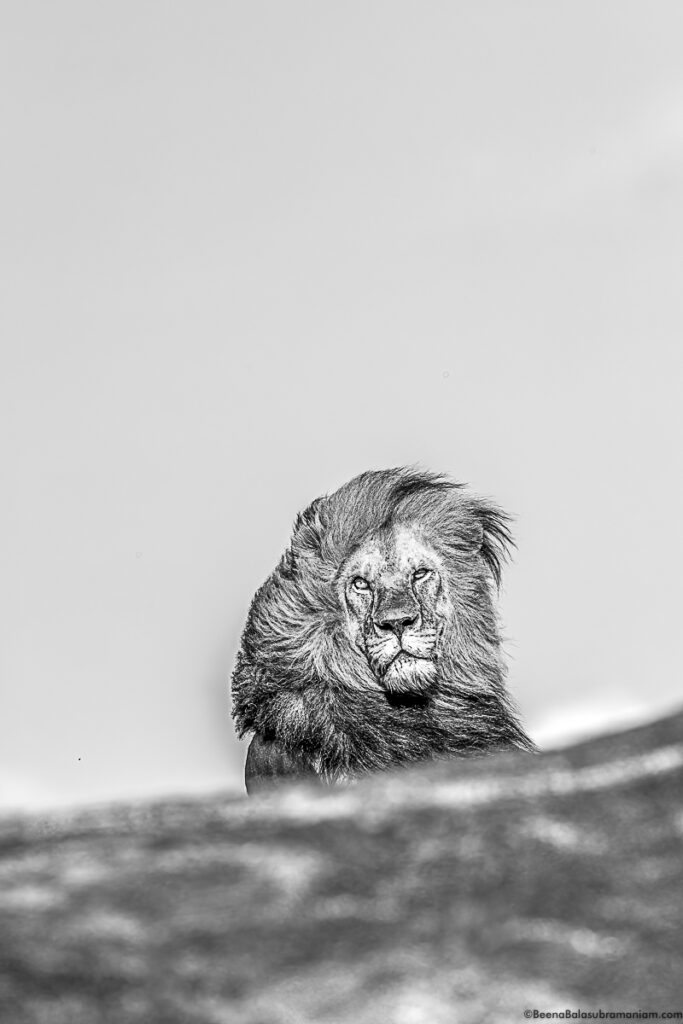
<point>249,250</point>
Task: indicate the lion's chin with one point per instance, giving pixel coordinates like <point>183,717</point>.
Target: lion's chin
<point>408,674</point>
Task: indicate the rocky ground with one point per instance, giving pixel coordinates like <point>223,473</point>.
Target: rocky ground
<point>465,892</point>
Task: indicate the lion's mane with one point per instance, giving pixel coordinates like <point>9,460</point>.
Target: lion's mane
<point>298,679</point>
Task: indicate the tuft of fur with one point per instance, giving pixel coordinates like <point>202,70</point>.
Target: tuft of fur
<point>298,678</point>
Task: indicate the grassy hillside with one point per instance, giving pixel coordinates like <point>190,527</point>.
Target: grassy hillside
<point>467,891</point>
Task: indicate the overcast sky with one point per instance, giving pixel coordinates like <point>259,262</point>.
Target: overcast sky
<point>252,249</point>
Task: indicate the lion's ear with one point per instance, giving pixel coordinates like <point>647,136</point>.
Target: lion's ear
<point>496,541</point>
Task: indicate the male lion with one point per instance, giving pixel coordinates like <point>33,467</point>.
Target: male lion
<point>375,643</point>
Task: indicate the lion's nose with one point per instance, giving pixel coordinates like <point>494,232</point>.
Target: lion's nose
<point>395,622</point>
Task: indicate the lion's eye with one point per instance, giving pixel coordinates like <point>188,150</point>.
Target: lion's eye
<point>358,583</point>
<point>420,574</point>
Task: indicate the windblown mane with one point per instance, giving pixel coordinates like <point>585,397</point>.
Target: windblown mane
<point>298,678</point>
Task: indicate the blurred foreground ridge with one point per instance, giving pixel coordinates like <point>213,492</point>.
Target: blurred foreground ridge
<point>454,893</point>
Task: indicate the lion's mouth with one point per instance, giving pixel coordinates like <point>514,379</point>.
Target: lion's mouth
<point>402,658</point>
<point>408,656</point>
<point>408,672</point>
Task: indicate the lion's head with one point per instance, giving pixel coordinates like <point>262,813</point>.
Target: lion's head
<point>383,602</point>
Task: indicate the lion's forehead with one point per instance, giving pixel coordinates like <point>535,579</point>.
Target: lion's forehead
<point>394,551</point>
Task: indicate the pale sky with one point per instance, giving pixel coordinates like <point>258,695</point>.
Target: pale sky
<point>250,250</point>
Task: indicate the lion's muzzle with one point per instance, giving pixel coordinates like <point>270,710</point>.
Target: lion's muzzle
<point>401,658</point>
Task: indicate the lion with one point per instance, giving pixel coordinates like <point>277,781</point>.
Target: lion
<point>375,642</point>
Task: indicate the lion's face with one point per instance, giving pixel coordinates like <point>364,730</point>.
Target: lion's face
<point>394,590</point>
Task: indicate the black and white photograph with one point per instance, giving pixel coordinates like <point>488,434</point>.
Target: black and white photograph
<point>341,415</point>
